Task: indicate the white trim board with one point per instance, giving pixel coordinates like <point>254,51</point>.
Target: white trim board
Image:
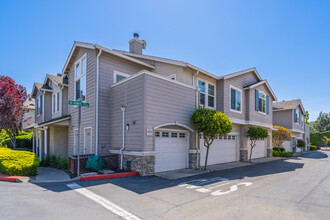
<point>146,72</point>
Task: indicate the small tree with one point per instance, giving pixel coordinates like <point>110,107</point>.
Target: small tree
<point>326,140</point>
<point>254,134</point>
<point>211,123</point>
<point>301,144</point>
<point>280,135</point>
<point>12,97</point>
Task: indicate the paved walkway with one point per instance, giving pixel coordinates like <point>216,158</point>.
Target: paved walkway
<point>177,174</point>
<point>48,174</point>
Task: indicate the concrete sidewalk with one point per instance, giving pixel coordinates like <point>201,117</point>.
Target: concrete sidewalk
<point>177,174</point>
<point>48,175</point>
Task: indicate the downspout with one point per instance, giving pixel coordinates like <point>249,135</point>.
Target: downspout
<point>123,109</point>
<point>97,103</point>
<point>196,134</point>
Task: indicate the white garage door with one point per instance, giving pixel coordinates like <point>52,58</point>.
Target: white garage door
<point>287,146</point>
<point>223,150</point>
<point>259,150</point>
<point>171,150</point>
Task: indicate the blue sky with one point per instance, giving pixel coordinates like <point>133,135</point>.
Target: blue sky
<point>287,41</point>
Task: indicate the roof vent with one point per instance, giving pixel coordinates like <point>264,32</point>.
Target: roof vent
<point>136,45</point>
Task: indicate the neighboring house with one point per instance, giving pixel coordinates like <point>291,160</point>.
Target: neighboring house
<point>51,116</point>
<point>140,108</point>
<point>29,114</point>
<point>291,115</point>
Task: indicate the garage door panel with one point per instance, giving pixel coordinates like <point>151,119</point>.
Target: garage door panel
<point>221,151</point>
<point>259,151</point>
<point>171,151</point>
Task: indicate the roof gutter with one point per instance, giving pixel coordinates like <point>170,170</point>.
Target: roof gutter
<point>97,102</point>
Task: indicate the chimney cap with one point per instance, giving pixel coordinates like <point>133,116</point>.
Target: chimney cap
<point>136,35</point>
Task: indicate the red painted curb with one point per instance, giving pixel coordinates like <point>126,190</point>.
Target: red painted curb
<point>8,178</point>
<point>108,176</point>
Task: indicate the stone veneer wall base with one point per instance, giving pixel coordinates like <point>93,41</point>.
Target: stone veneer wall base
<point>145,165</point>
<point>243,156</point>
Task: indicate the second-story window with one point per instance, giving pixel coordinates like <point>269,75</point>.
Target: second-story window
<point>262,102</point>
<point>118,76</point>
<point>297,116</point>
<point>39,105</point>
<point>56,102</point>
<point>80,78</point>
<point>235,99</point>
<point>207,94</point>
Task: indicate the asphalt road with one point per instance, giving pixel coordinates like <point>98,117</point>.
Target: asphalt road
<point>295,188</point>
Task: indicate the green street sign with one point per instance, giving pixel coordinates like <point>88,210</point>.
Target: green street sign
<point>79,103</point>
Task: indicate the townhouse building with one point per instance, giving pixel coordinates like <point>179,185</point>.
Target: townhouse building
<point>291,115</point>
<point>140,109</point>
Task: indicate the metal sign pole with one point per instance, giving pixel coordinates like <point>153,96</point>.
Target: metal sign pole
<point>79,121</point>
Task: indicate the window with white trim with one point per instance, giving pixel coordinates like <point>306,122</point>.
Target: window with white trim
<point>118,76</point>
<point>56,102</point>
<point>262,102</point>
<point>39,105</point>
<point>235,99</point>
<point>80,78</point>
<point>207,94</point>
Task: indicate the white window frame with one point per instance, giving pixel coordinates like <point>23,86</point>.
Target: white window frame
<point>55,105</point>
<point>38,103</point>
<point>261,112</point>
<point>172,77</point>
<point>118,73</point>
<point>81,74</point>
<point>90,150</point>
<point>237,89</point>
<point>297,115</point>
<point>207,83</point>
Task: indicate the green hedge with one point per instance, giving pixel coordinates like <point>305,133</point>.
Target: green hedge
<point>24,141</point>
<point>55,161</point>
<point>282,149</point>
<point>281,154</point>
<point>312,147</point>
<point>17,162</point>
<point>316,138</point>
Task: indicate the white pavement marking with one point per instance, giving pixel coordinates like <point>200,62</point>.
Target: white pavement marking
<point>232,189</point>
<point>103,202</point>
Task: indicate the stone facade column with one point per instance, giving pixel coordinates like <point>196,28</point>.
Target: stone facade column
<point>243,145</point>
<point>193,156</point>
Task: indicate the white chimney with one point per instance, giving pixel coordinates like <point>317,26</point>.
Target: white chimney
<point>136,45</point>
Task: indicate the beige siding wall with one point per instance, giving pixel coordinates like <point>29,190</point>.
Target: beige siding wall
<point>131,95</point>
<point>88,114</point>
<point>297,126</point>
<point>110,101</point>
<point>283,118</point>
<point>256,116</point>
<point>238,82</point>
<point>183,74</point>
<point>65,101</point>
<point>167,102</point>
<point>47,106</point>
<point>58,140</point>
<point>28,117</point>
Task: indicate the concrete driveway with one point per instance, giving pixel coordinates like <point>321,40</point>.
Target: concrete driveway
<point>295,188</point>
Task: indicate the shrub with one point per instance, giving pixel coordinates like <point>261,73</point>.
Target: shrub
<point>312,147</point>
<point>301,143</point>
<point>282,149</point>
<point>281,153</point>
<point>16,162</point>
<point>55,161</point>
<point>23,141</point>
<point>316,138</point>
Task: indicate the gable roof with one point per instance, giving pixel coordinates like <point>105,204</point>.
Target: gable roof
<point>288,105</point>
<point>253,69</point>
<point>169,61</point>
<point>36,87</point>
<point>58,80</point>
<point>95,46</point>
<point>253,85</point>
<point>29,103</point>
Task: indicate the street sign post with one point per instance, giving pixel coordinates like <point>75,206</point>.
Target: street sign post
<point>79,103</point>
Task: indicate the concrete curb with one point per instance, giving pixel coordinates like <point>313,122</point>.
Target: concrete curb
<point>107,176</point>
